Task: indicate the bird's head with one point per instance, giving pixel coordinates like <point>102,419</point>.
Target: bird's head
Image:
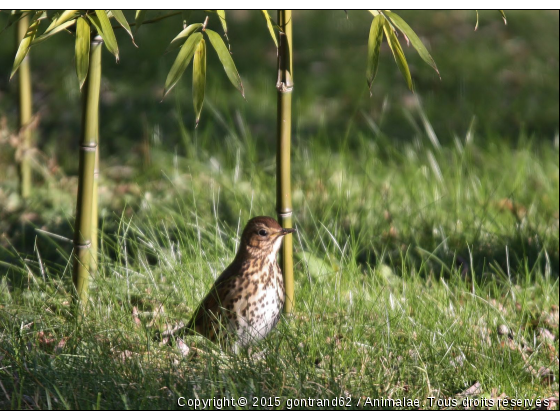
<point>262,236</point>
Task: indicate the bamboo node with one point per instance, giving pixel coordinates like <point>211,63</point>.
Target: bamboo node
<point>284,215</point>
<point>88,147</point>
<point>86,245</point>
<point>97,40</point>
<point>283,87</point>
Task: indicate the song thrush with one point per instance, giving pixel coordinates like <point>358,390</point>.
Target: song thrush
<point>246,300</point>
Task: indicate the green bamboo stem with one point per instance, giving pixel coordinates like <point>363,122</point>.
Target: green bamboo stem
<point>95,208</point>
<point>285,85</point>
<point>25,114</point>
<point>88,147</point>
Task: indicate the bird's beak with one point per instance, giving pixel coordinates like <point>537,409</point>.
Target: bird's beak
<point>288,230</point>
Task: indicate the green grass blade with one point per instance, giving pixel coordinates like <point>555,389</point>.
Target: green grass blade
<point>107,33</point>
<point>183,35</point>
<point>25,43</point>
<point>62,399</point>
<point>139,19</point>
<point>414,39</point>
<point>181,62</point>
<point>374,45</point>
<point>270,27</point>
<point>226,60</point>
<point>119,16</point>
<point>199,78</point>
<point>82,50</point>
<point>398,53</point>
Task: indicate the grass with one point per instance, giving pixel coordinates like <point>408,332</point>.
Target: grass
<point>413,260</point>
<point>427,251</point>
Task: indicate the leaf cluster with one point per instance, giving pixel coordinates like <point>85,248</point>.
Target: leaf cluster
<point>389,24</point>
<point>86,25</point>
<point>192,43</point>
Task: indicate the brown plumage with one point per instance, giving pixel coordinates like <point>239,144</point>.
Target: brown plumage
<point>246,300</point>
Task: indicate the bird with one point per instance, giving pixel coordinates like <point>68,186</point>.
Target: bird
<point>246,300</point>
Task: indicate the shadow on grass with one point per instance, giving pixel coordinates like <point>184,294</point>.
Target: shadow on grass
<point>503,258</point>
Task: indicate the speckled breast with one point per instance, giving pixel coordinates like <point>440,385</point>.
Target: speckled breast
<point>263,307</point>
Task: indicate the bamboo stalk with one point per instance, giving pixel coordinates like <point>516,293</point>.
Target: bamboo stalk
<point>95,207</point>
<point>25,114</point>
<point>88,147</point>
<point>285,85</point>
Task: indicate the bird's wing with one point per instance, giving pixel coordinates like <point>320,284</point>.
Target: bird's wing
<point>208,315</point>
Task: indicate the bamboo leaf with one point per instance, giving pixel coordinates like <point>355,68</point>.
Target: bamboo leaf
<point>181,62</point>
<point>222,16</point>
<point>15,16</point>
<point>374,45</point>
<point>183,35</point>
<point>96,24</point>
<point>199,78</point>
<point>139,19</point>
<point>382,13</point>
<point>25,43</point>
<point>59,20</point>
<point>119,16</point>
<point>414,40</point>
<point>56,30</point>
<point>398,53</point>
<point>107,33</point>
<point>270,27</point>
<point>226,60</point>
<point>82,50</point>
<point>503,16</point>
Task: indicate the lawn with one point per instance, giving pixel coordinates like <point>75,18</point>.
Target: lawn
<point>427,249</point>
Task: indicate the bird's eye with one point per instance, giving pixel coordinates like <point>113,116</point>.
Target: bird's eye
<point>263,232</point>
